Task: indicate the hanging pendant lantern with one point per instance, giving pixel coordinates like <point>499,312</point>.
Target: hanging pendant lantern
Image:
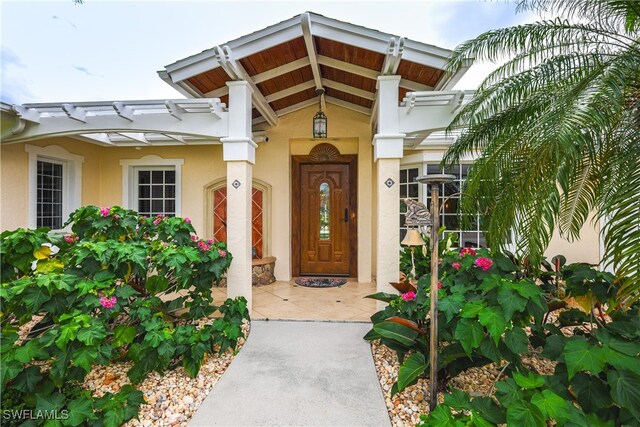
<point>320,119</point>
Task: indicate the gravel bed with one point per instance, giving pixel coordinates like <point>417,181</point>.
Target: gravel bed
<point>405,407</point>
<point>172,398</point>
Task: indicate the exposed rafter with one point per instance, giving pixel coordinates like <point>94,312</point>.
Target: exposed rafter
<point>135,136</point>
<point>75,113</point>
<point>236,71</point>
<point>97,138</point>
<point>290,91</point>
<point>348,89</point>
<point>283,69</point>
<point>349,105</point>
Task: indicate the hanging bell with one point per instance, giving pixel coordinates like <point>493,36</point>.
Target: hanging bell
<point>413,238</point>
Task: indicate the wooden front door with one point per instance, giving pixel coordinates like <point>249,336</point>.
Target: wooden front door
<point>325,219</point>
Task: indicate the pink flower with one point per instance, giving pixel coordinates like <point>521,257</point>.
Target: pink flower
<point>456,265</point>
<point>222,253</point>
<point>187,220</point>
<point>108,302</point>
<point>116,217</point>
<point>105,212</point>
<point>210,241</point>
<point>158,219</point>
<point>467,251</point>
<point>118,282</point>
<point>483,263</point>
<point>194,238</point>
<point>408,296</point>
<point>71,239</point>
<point>203,246</point>
<point>439,285</point>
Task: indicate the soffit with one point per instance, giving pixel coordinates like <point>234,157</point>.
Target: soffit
<point>287,62</point>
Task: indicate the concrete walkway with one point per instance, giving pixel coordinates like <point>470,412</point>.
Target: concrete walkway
<point>298,374</point>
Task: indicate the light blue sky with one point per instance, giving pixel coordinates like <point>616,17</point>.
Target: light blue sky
<point>54,51</point>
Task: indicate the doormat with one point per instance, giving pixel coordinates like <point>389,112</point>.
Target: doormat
<point>320,282</point>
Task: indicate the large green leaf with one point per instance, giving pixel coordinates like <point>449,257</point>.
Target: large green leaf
<point>80,411</point>
<point>30,352</point>
<point>27,380</point>
<point>382,296</point>
<point>625,391</point>
<point>84,357</point>
<point>156,284</point>
<point>397,332</point>
<point>411,369</point>
<point>516,340</point>
<point>551,405</point>
<point>473,308</point>
<point>580,355</point>
<point>470,334</point>
<point>511,301</point>
<point>591,391</point>
<point>524,414</point>
<point>123,335</point>
<point>451,305</point>
<point>493,319</point>
<point>531,380</point>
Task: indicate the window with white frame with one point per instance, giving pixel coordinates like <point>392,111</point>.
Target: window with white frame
<point>50,196</point>
<point>152,185</point>
<point>468,235</point>
<point>55,185</point>
<point>155,190</point>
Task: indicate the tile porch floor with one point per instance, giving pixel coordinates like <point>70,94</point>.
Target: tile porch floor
<point>286,300</point>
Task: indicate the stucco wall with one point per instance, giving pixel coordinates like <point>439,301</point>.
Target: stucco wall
<point>14,177</point>
<point>586,249</point>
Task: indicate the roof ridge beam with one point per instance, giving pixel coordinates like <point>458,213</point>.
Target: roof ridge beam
<point>305,21</point>
<point>236,71</point>
<point>76,113</point>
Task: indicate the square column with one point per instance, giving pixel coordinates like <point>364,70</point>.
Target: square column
<point>239,152</point>
<point>387,151</point>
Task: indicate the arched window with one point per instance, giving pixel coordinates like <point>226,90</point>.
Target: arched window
<point>216,215</point>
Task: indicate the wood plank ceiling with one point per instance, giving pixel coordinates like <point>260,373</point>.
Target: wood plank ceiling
<point>348,75</point>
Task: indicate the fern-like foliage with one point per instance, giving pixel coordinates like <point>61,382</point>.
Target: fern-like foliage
<point>557,129</point>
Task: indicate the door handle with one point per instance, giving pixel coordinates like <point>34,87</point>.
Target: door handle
<point>346,214</point>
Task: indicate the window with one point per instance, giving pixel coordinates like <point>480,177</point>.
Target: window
<point>152,185</point>
<point>470,236</point>
<point>55,185</point>
<point>155,191</point>
<point>409,189</point>
<point>50,194</point>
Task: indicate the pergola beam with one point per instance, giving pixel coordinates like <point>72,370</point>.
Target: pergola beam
<point>134,136</point>
<point>75,113</point>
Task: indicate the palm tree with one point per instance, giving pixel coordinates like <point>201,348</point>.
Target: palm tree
<point>557,129</point>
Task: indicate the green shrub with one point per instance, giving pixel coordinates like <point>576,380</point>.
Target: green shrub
<point>596,377</point>
<point>483,310</point>
<point>121,287</point>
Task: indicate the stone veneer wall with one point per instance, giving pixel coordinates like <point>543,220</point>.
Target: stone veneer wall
<point>263,269</point>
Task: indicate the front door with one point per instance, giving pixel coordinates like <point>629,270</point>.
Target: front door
<point>324,219</point>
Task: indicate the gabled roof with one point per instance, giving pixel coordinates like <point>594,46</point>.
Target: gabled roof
<point>288,62</point>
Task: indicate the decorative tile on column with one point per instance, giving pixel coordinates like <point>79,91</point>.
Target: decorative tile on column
<point>236,184</point>
<point>389,182</point>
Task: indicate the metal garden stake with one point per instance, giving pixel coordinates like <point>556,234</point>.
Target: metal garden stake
<point>434,181</point>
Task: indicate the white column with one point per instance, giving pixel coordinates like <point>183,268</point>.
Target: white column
<point>388,150</point>
<point>239,152</point>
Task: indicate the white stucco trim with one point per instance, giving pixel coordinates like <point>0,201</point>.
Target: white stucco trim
<point>72,179</point>
<point>152,160</point>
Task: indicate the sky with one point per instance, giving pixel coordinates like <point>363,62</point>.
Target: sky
<point>58,51</point>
